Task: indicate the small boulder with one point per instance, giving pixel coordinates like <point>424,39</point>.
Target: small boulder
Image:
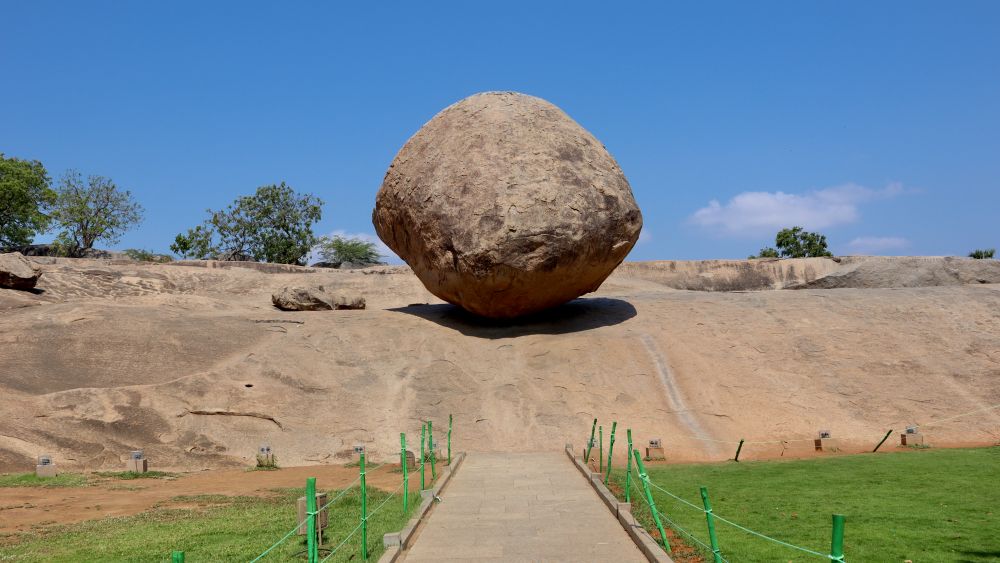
<point>315,298</point>
<point>17,272</point>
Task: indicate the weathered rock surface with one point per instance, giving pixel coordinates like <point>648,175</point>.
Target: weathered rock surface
<point>907,271</point>
<point>17,272</point>
<point>114,357</point>
<point>314,299</point>
<point>503,205</point>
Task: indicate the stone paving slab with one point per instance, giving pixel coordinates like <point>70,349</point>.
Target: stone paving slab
<point>521,507</point>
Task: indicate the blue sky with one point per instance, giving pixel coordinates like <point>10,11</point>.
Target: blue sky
<point>876,123</point>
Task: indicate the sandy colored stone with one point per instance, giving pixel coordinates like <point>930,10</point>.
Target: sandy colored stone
<point>192,364</point>
<point>17,272</point>
<point>908,271</point>
<point>505,206</point>
<point>314,299</point>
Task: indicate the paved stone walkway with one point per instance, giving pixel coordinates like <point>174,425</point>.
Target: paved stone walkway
<point>521,507</point>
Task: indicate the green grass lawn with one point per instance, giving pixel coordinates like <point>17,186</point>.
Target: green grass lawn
<point>922,505</point>
<point>30,480</point>
<point>212,528</point>
<point>76,479</point>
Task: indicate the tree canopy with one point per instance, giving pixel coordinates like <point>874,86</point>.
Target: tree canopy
<point>339,249</point>
<point>796,242</point>
<point>25,196</point>
<point>766,252</point>
<point>982,253</point>
<point>91,211</point>
<point>272,225</point>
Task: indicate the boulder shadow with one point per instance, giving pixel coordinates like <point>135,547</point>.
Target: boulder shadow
<point>578,315</point>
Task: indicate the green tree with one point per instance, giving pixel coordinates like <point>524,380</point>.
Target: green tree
<point>143,255</point>
<point>91,211</point>
<point>766,252</point>
<point>25,195</point>
<point>341,249</point>
<point>982,253</point>
<point>196,243</point>
<point>273,225</point>
<point>798,243</point>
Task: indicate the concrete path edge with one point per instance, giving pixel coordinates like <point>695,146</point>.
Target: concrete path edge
<point>622,511</point>
<point>395,542</point>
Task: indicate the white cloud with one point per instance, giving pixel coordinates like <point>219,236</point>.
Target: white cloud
<point>877,245</point>
<point>753,213</point>
<point>387,255</point>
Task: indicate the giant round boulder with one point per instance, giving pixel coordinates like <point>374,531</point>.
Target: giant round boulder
<point>504,206</point>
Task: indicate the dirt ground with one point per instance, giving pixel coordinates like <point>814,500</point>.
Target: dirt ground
<point>25,508</point>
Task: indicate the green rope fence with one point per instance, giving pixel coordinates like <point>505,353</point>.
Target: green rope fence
<point>362,524</point>
<point>837,538</point>
<point>299,525</point>
<point>312,512</point>
<point>836,553</point>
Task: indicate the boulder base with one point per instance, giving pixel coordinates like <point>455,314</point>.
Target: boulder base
<point>17,272</point>
<point>503,205</point>
<point>314,299</point>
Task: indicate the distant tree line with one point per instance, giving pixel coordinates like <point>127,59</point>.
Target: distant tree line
<point>83,211</point>
<point>274,224</point>
<point>796,242</point>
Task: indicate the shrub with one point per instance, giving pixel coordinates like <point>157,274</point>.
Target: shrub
<point>766,252</point>
<point>339,249</point>
<point>267,463</point>
<point>272,225</point>
<point>141,255</point>
<point>982,254</point>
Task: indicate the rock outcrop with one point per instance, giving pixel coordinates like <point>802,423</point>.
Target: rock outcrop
<point>907,271</point>
<point>314,299</point>
<point>17,272</point>
<point>503,205</point>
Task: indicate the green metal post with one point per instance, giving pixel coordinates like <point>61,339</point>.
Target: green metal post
<point>590,444</point>
<point>449,440</point>
<point>611,450</point>
<point>177,557</point>
<point>738,448</point>
<point>600,449</point>
<point>312,550</point>
<point>884,438</point>
<point>649,498</point>
<point>837,543</point>
<point>430,443</point>
<point>716,554</point>
<point>406,472</point>
<point>364,512</point>
<point>423,438</point>
<point>628,469</point>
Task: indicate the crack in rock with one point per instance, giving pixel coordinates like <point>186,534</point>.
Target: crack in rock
<point>234,413</point>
